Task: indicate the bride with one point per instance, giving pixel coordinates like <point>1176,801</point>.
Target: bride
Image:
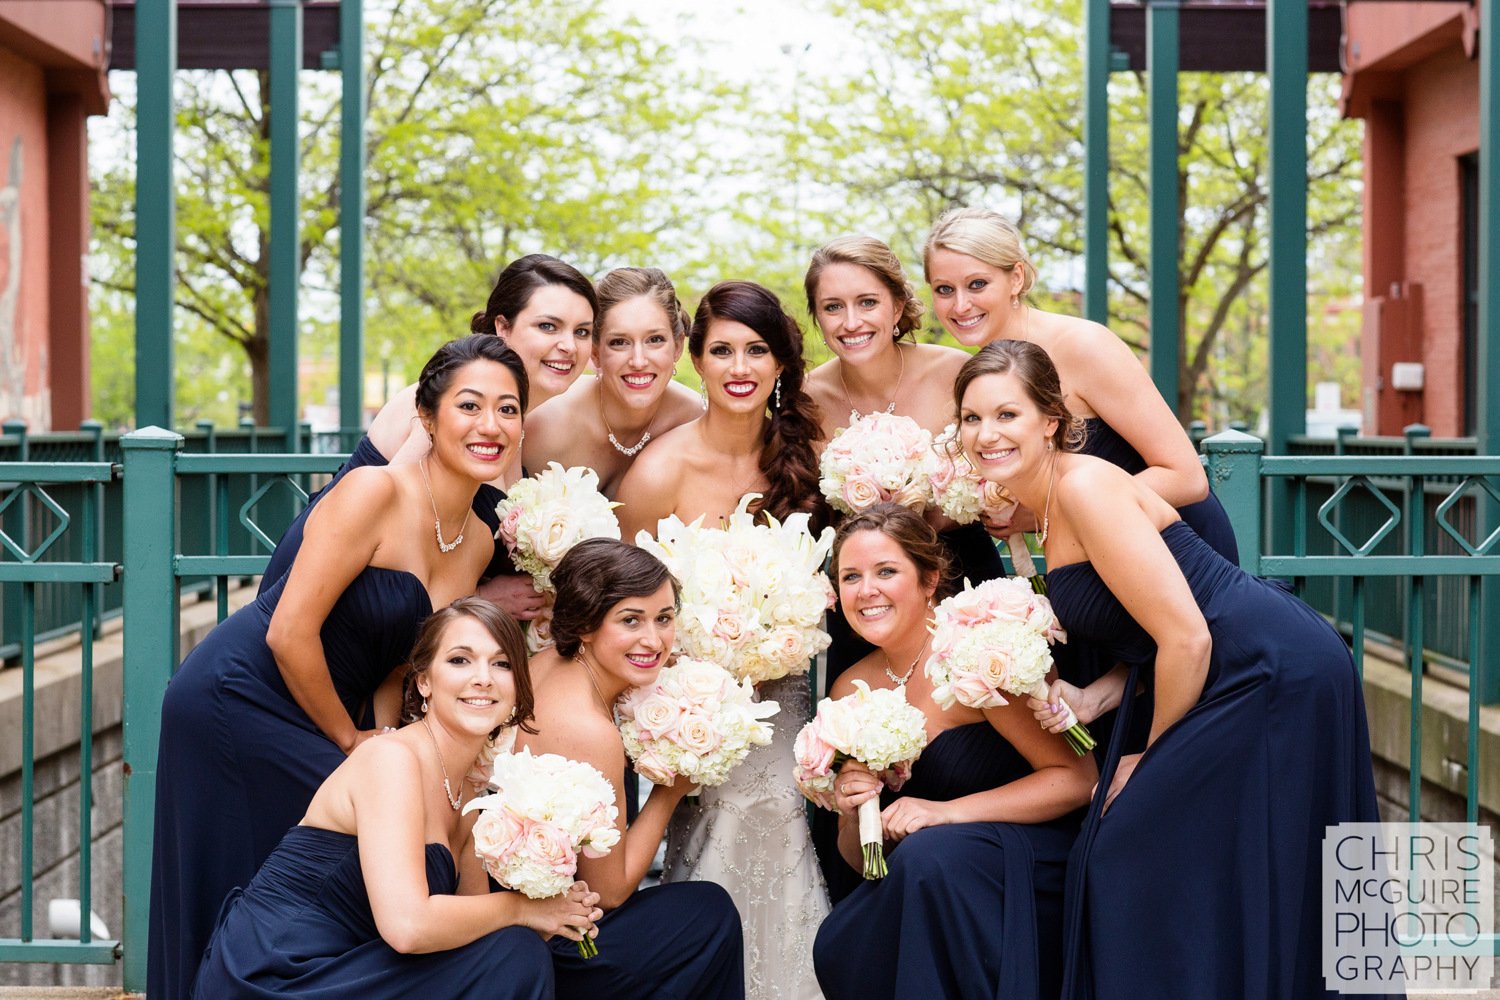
<point>757,435</point>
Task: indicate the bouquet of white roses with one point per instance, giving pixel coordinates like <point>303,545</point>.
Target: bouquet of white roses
<point>696,720</point>
<point>878,728</point>
<point>996,639</point>
<point>879,456</point>
<point>546,515</point>
<point>543,812</point>
<point>753,595</point>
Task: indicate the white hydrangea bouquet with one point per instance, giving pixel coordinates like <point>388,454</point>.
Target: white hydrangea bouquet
<point>696,720</point>
<point>879,456</point>
<point>996,639</point>
<point>962,495</point>
<point>753,595</point>
<point>878,728</point>
<point>544,811</point>
<point>545,515</point>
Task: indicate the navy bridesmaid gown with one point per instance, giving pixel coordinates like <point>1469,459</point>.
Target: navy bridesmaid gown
<point>968,909</point>
<point>303,928</point>
<point>1202,879</point>
<point>365,453</point>
<point>239,760</point>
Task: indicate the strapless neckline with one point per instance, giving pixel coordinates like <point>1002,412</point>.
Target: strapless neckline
<point>323,833</point>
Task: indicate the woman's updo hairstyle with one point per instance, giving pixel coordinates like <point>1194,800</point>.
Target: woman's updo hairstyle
<point>626,283</point>
<point>593,577</point>
<point>437,374</point>
<point>501,627</point>
<point>520,280</point>
<point>984,235</point>
<point>877,258</point>
<point>907,529</point>
<point>1033,368</point>
<point>787,457</point>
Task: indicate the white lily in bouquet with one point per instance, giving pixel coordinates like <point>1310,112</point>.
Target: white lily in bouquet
<point>544,516</point>
<point>753,595</point>
<point>996,639</point>
<point>880,729</point>
<point>695,720</point>
<point>544,812</point>
<point>878,457</point>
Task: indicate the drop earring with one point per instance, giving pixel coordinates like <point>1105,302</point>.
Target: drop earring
<point>778,392</point>
<point>424,705</point>
<point>703,394</point>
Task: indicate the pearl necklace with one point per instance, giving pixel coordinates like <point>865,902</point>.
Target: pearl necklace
<point>454,801</point>
<point>437,520</point>
<point>614,442</point>
<point>890,407</point>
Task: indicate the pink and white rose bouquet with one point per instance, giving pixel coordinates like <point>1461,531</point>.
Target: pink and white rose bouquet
<point>753,595</point>
<point>880,729</point>
<point>996,639</point>
<point>545,515</point>
<point>696,720</point>
<point>963,495</point>
<point>879,456</point>
<point>544,812</point>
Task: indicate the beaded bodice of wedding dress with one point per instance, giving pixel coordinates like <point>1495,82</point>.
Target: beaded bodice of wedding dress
<point>751,836</point>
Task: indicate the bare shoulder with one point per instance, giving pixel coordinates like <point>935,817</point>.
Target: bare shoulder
<point>938,360</point>
<point>1083,340</point>
<point>680,405</point>
<point>551,426</point>
<point>367,493</point>
<point>384,759</point>
<point>1091,484</point>
<point>867,670</point>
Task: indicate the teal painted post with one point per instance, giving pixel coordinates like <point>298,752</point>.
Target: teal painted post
<point>1166,217</point>
<point>351,223</point>
<point>155,212</point>
<point>1286,64</point>
<point>1234,476</point>
<point>16,524</point>
<point>150,531</point>
<point>286,230</point>
<point>1096,160</point>
<point>1484,671</point>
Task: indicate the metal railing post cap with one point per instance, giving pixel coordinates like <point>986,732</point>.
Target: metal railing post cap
<point>1234,442</point>
<point>157,438</point>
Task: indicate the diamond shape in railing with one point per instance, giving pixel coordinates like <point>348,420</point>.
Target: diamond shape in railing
<point>1441,515</point>
<point>48,503</point>
<point>1380,533</point>
<point>257,497</point>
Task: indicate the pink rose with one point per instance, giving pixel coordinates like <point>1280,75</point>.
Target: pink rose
<point>814,755</point>
<point>652,766</point>
<point>861,492</point>
<point>696,734</point>
<point>507,531</point>
<point>838,724</point>
<point>551,848</point>
<point>729,626</point>
<point>970,689</point>
<point>656,714</point>
<point>497,834</point>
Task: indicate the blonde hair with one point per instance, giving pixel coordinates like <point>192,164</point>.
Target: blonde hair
<point>984,235</point>
<point>877,258</point>
<point>625,283</point>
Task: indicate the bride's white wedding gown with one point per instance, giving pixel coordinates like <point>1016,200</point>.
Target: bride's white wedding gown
<point>751,836</point>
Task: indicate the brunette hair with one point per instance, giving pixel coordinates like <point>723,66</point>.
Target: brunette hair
<point>907,529</point>
<point>1037,374</point>
<point>877,258</point>
<point>786,457</point>
<point>593,577</point>
<point>501,627</point>
<point>437,374</point>
<point>519,281</point>
<point>984,235</point>
<point>625,283</point>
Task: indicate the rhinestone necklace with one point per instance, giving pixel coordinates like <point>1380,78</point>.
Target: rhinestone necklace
<point>437,521</point>
<point>453,800</point>
<point>627,452</point>
<point>889,407</point>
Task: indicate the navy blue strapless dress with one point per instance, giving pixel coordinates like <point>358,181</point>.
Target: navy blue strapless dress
<point>968,910</point>
<point>239,760</point>
<point>365,453</point>
<point>303,928</point>
<point>1201,881</point>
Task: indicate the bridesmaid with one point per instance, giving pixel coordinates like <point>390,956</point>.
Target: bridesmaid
<point>972,906</point>
<point>980,274</point>
<point>869,313</point>
<point>377,892</point>
<point>757,436</point>
<point>602,422</point>
<point>271,702</point>
<point>544,310</point>
<point>614,624</point>
<point>1202,879</point>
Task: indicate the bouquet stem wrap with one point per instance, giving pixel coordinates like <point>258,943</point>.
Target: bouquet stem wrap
<point>872,839</point>
<point>1077,735</point>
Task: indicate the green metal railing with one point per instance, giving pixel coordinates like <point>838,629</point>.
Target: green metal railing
<point>29,505</point>
<point>1419,495</point>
